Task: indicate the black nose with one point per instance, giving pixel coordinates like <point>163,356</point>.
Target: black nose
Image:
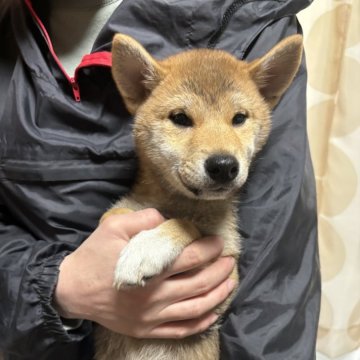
<point>222,168</point>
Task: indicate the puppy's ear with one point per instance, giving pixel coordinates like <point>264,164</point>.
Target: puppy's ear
<point>274,72</point>
<point>135,71</point>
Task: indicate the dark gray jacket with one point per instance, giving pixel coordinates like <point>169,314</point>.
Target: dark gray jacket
<point>63,162</point>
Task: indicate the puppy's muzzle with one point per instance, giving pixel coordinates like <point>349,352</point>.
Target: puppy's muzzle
<point>222,169</point>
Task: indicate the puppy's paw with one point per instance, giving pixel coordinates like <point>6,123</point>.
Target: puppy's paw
<point>146,255</point>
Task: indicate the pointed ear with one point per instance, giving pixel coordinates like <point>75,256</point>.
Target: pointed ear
<point>274,72</point>
<point>135,71</point>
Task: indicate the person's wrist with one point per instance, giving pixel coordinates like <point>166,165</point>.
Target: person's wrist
<point>64,299</point>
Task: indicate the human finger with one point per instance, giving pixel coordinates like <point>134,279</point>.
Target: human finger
<point>129,224</point>
<point>197,306</point>
<point>182,329</point>
<point>196,255</point>
<point>195,283</point>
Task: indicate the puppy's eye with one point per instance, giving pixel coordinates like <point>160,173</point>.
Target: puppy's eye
<point>181,119</point>
<point>239,119</point>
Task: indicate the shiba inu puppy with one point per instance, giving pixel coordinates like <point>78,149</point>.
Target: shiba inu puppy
<point>200,118</point>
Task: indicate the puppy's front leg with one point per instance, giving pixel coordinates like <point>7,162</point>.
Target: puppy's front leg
<point>115,211</point>
<point>151,251</point>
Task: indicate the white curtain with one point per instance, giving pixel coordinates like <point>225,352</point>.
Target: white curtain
<point>332,45</point>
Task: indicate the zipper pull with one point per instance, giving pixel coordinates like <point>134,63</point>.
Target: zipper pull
<point>75,89</point>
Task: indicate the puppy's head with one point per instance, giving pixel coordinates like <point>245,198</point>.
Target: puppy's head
<point>202,115</point>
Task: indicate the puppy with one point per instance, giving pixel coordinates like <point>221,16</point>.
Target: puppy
<point>200,118</point>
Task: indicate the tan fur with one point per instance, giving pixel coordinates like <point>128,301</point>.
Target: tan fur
<point>115,211</point>
<point>113,346</point>
<point>210,87</point>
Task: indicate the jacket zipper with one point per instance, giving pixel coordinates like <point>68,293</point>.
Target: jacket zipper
<point>72,80</point>
<point>75,89</point>
<point>230,11</point>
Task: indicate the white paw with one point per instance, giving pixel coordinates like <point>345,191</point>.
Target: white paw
<point>147,254</point>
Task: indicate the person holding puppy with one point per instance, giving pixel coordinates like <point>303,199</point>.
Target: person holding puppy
<point>66,153</point>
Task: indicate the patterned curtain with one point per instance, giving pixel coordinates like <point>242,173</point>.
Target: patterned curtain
<point>332,45</point>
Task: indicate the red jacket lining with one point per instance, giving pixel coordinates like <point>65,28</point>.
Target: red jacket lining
<point>102,58</point>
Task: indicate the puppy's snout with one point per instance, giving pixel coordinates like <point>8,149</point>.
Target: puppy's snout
<point>222,168</point>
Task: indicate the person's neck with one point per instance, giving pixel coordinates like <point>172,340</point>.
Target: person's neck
<point>80,4</point>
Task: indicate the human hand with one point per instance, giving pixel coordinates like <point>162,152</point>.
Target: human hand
<point>178,303</point>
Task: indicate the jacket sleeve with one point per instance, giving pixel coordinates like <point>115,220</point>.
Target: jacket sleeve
<point>275,313</point>
<point>29,325</point>
<point>28,275</point>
